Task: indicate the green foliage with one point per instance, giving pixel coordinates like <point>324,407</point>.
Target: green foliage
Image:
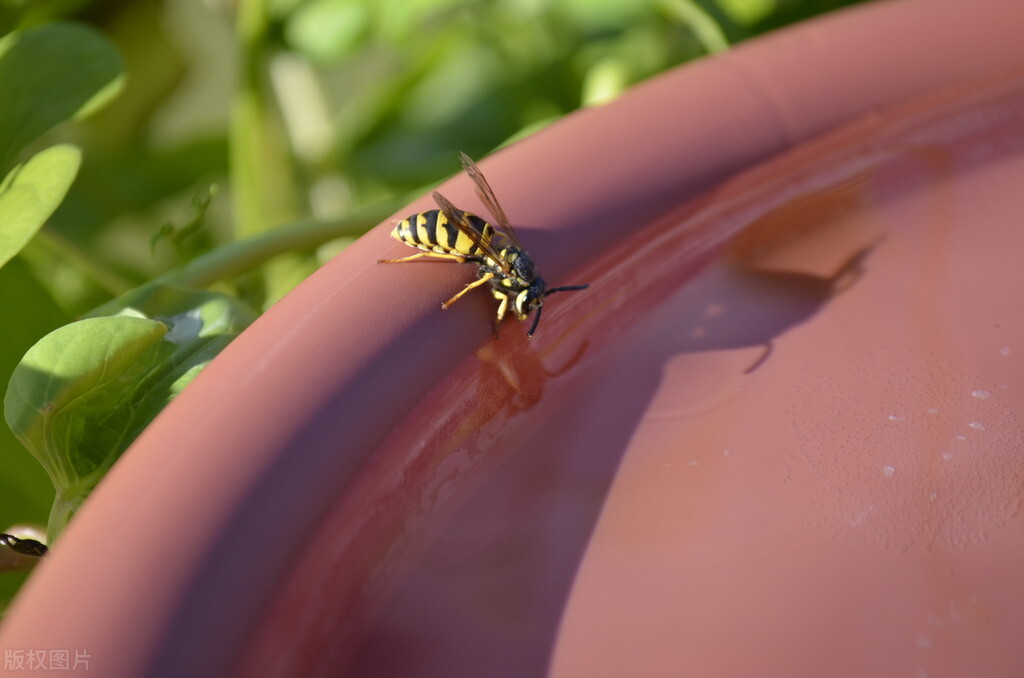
<point>31,192</point>
<point>29,312</point>
<point>319,116</point>
<point>328,30</point>
<point>83,393</point>
<point>186,240</point>
<point>47,75</point>
<point>65,388</point>
<point>50,74</point>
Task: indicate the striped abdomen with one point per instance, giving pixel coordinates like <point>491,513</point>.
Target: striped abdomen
<point>433,232</point>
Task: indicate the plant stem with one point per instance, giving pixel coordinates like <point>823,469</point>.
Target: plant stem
<point>262,181</point>
<point>704,27</point>
<point>243,255</point>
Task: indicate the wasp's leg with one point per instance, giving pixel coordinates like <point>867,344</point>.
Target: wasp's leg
<point>430,255</point>
<point>502,298</point>
<point>476,283</point>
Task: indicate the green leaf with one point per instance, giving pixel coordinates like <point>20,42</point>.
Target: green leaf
<point>48,75</point>
<point>31,192</point>
<point>82,394</point>
<point>68,400</point>
<point>29,313</point>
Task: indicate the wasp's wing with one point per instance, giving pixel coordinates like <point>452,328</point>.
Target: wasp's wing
<point>483,190</point>
<point>458,217</point>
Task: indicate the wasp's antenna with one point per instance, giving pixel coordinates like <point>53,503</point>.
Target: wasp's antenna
<point>536,317</point>
<point>536,321</point>
<point>568,288</point>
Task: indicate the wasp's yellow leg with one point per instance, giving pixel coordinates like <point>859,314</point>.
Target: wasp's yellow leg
<point>430,255</point>
<point>502,298</point>
<point>476,283</point>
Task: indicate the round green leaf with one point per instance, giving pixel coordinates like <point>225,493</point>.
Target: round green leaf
<point>85,391</point>
<point>31,192</point>
<point>70,400</point>
<point>70,375</point>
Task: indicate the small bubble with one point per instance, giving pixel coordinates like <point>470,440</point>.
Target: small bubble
<point>726,452</point>
<point>981,394</point>
<point>888,471</point>
<point>933,496</point>
<point>1005,350</point>
<point>961,436</point>
<point>694,463</point>
<point>924,641</point>
<point>977,426</point>
<point>894,417</point>
<point>933,410</point>
<point>947,456</point>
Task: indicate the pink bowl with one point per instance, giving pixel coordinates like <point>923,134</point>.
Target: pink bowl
<point>779,435</point>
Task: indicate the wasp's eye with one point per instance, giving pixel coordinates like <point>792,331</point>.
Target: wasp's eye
<point>523,302</point>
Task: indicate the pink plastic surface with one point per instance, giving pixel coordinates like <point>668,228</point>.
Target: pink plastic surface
<point>778,436</point>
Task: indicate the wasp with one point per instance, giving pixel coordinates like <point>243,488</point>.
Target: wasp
<point>454,235</point>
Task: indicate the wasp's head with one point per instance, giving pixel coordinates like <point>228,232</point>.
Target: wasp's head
<point>530,298</point>
<point>532,288</point>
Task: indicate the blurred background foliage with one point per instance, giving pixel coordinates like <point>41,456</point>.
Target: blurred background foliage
<point>298,124</point>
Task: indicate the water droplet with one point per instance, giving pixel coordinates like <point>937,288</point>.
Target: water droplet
<point>976,486</point>
<point>981,394</point>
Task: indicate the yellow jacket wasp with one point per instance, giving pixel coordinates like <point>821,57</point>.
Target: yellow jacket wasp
<point>454,235</point>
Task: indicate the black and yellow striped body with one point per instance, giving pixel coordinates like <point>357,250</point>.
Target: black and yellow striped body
<point>453,235</point>
<point>439,238</point>
<point>431,231</point>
